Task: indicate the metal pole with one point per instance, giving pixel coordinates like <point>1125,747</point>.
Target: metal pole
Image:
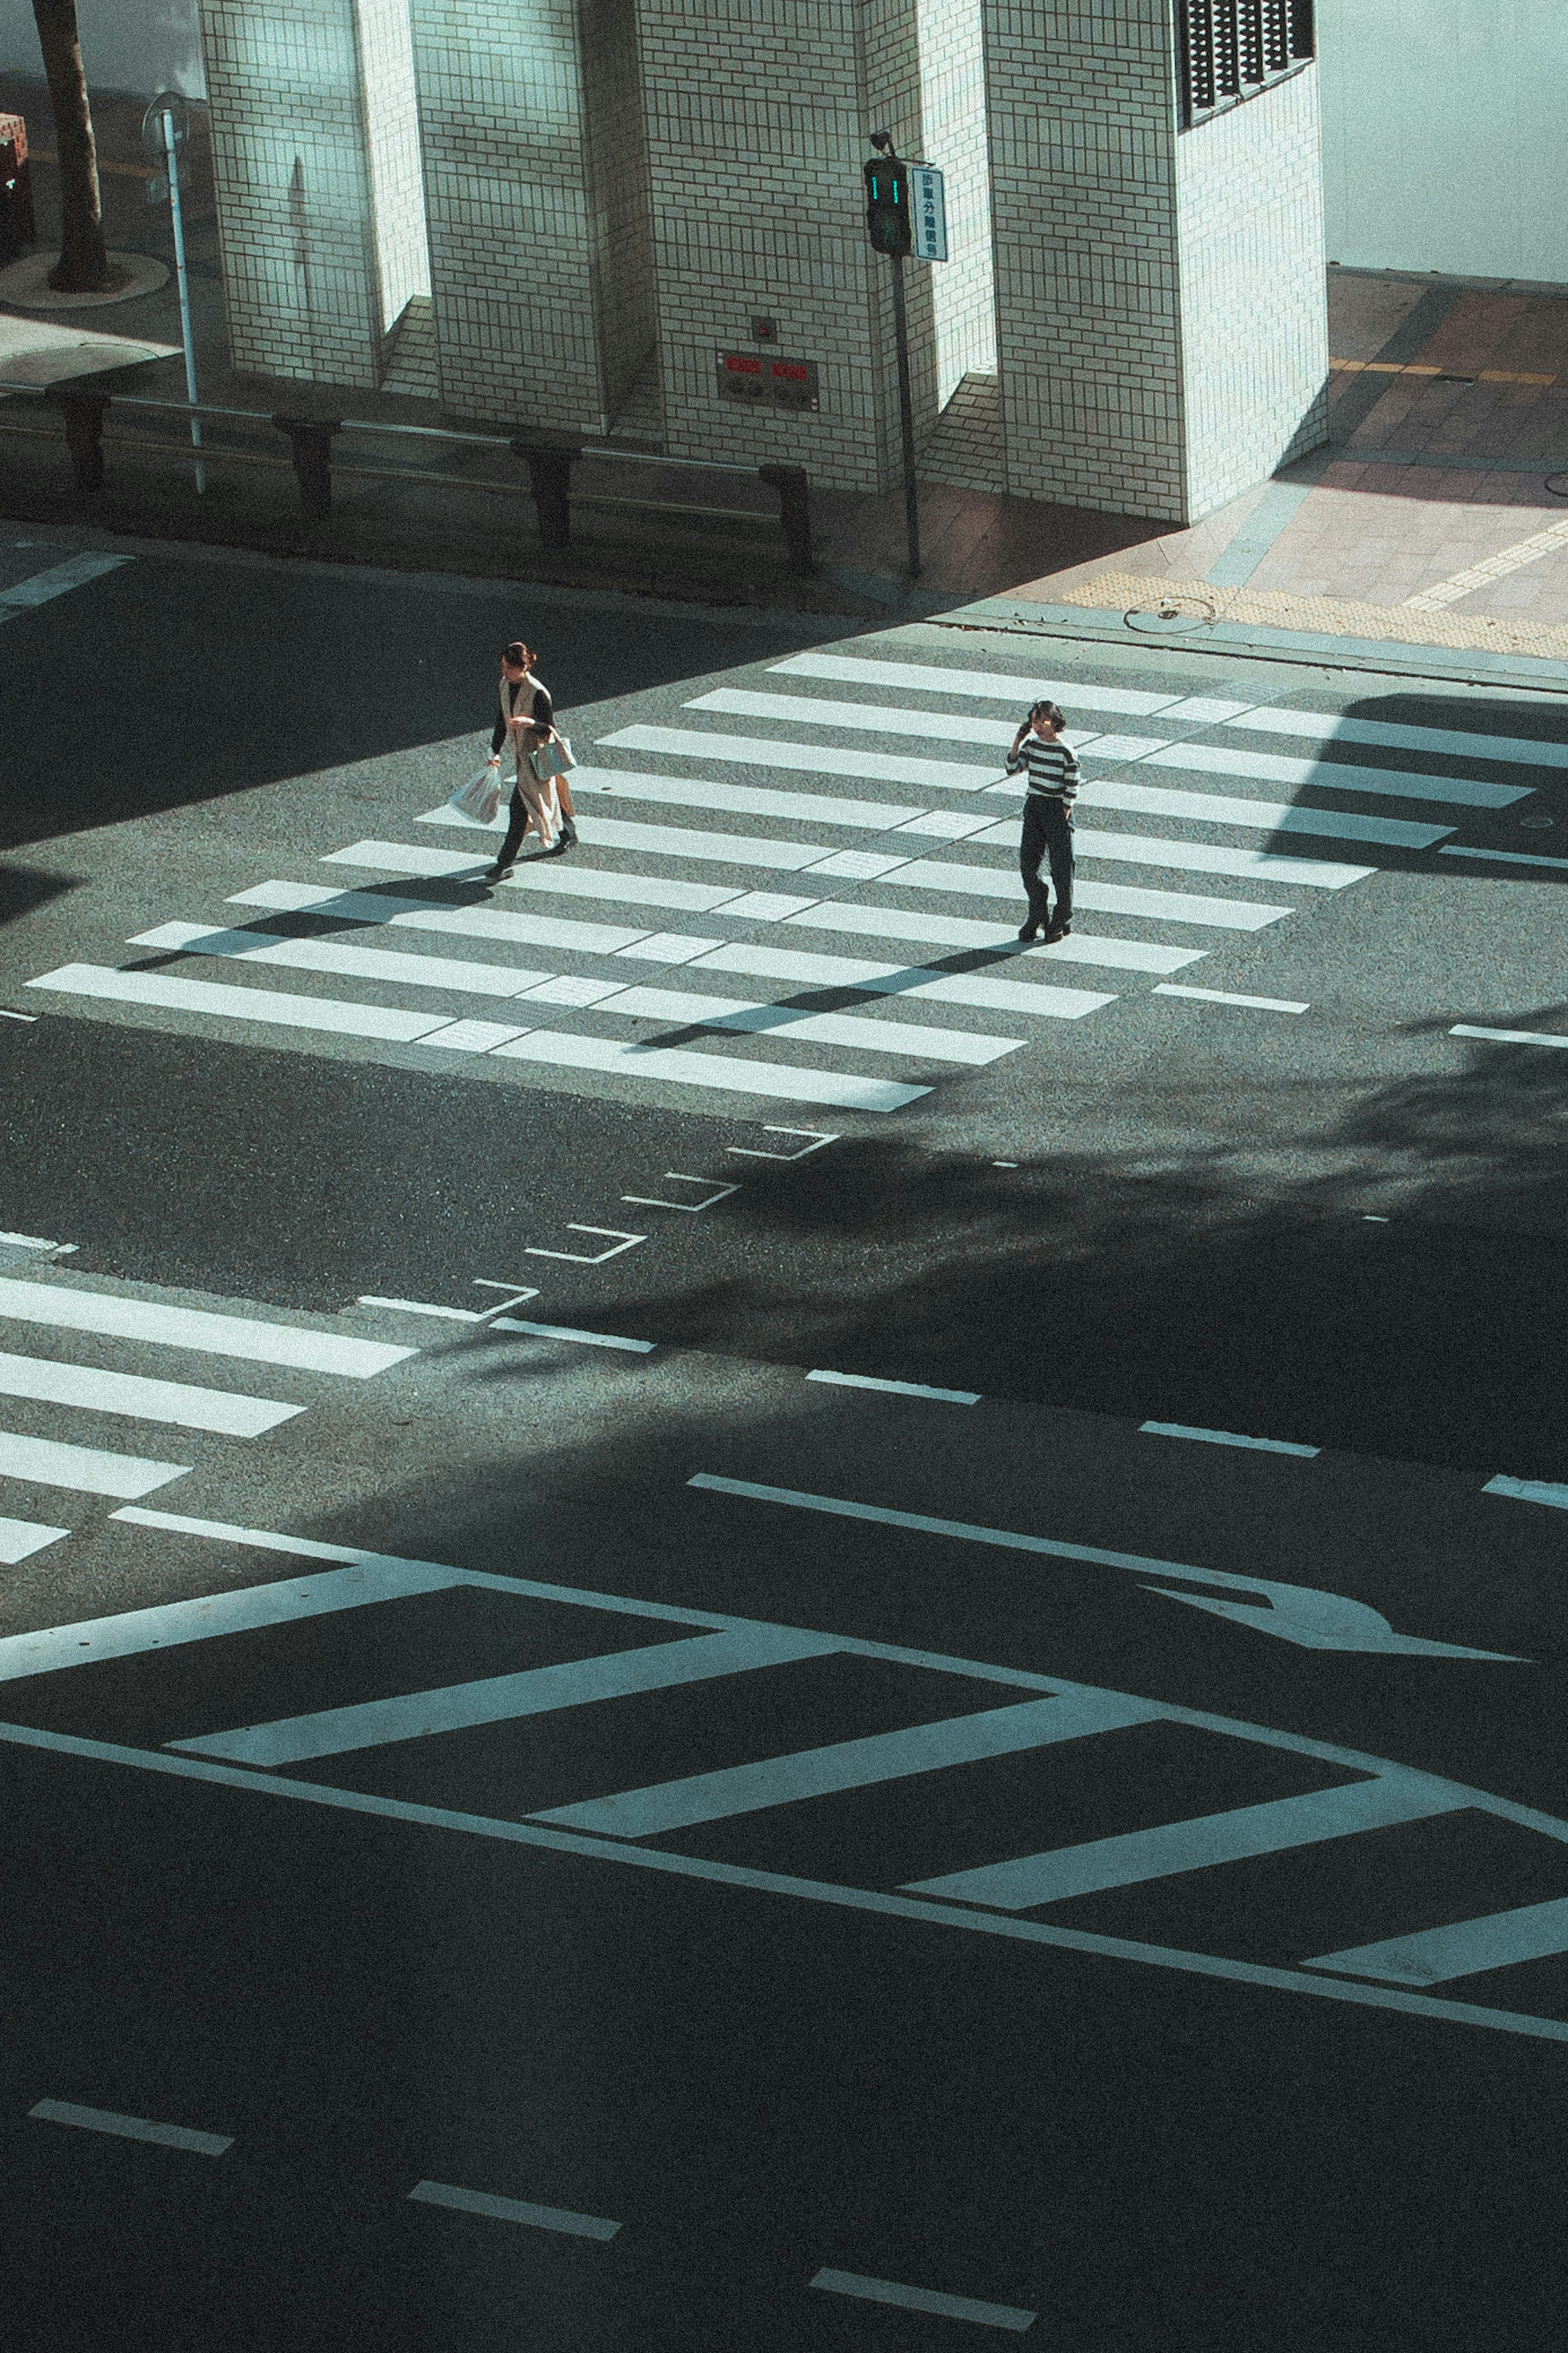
<point>905,417</point>
<point>171,155</point>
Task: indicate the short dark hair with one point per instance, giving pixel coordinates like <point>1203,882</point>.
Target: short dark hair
<point>516,653</point>
<point>1051,712</point>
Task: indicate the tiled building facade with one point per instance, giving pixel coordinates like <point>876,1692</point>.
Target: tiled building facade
<point>598,195</point>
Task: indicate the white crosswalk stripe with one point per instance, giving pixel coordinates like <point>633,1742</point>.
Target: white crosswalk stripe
<point>867,839</point>
<point>70,1312</point>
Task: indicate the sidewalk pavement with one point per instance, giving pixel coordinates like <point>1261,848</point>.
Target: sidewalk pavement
<point>1426,522</point>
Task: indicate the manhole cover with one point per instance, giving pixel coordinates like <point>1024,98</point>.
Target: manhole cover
<point>1533,824</point>
<point>1169,616</point>
<point>1558,485</point>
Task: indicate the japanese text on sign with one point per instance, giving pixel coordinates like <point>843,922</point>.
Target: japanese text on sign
<point>928,207</point>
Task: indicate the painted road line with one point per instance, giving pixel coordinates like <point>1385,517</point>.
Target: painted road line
<point>139,1399</point>
<point>1306,1615</point>
<point>267,1007</point>
<point>473,1037</point>
<point>1273,817</point>
<point>922,2299</point>
<point>422,1307</point>
<point>1001,685</point>
<point>1223,1438</point>
<point>241,1779</point>
<point>426,915</point>
<point>67,1309</point>
<point>1236,1836</point>
<point>562,1049</point>
<point>904,980</point>
<point>870,718</point>
<point>90,564</point>
<point>342,958</point>
<point>244,1781</point>
<point>32,1243</point>
<point>542,873</point>
<point>989,685</point>
<point>897,1389</point>
<point>1529,1491</point>
<point>736,800</point>
<point>847,1764</point>
<point>1535,1932</point>
<point>1452,744</point>
<point>45,1463</point>
<point>9,1016</point>
<point>911,1039</point>
<point>1198,856</point>
<point>1506,1037</point>
<point>959,931</point>
<point>503,1699</point>
<point>371,1580</point>
<point>1501,857</point>
<point>514,2210</point>
<point>814,759</point>
<point>1325,776</point>
<point>107,2120</point>
<point>599,832</point>
<point>1104,898</point>
<point>1223,997</point>
<point>19,1539</point>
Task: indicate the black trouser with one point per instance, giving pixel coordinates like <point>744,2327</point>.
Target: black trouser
<point>1048,829</point>
<point>517,820</point>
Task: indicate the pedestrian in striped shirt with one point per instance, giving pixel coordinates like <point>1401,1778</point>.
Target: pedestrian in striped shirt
<point>1052,768</point>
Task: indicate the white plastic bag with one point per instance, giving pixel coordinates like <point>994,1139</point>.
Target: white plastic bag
<point>479,798</point>
<point>552,758</point>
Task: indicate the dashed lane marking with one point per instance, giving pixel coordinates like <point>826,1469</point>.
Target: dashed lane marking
<point>1223,997</point>
<point>514,2210</point>
<point>108,2120</point>
<point>897,1389</point>
<point>1223,1438</point>
<point>924,2299</point>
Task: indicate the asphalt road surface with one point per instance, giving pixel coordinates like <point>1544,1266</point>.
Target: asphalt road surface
<point>735,1616</point>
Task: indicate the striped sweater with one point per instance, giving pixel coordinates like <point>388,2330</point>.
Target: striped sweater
<point>1053,769</point>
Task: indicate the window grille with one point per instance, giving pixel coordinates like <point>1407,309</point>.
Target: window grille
<point>1230,50</point>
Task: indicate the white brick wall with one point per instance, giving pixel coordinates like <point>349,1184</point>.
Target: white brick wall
<point>952,110</point>
<point>506,199</point>
<point>625,296</point>
<point>291,169</point>
<point>1254,315</point>
<point>1159,294</point>
<point>757,123</point>
<point>392,125</point>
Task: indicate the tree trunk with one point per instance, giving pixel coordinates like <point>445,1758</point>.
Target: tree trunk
<point>83,265</point>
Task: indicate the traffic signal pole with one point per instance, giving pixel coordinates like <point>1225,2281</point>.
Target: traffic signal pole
<point>890,227</point>
<point>906,419</point>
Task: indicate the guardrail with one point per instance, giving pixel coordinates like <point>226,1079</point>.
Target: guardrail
<point>549,458</point>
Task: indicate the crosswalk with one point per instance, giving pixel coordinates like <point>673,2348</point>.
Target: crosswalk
<point>61,1389</point>
<point>837,834</point>
<point>936,1790</point>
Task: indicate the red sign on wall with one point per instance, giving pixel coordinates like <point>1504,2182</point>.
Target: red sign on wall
<point>767,383</point>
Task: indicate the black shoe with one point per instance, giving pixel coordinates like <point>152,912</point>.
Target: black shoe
<point>1057,932</point>
<point>1029,931</point>
<point>499,873</point>
<point>568,834</point>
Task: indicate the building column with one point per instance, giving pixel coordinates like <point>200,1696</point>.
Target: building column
<point>1162,334</point>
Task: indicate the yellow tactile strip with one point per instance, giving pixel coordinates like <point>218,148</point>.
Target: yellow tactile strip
<point>1449,375</point>
<point>1124,592</point>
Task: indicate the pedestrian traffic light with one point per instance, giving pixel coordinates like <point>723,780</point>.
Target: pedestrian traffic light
<point>888,219</point>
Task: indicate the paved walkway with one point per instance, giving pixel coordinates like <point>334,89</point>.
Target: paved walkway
<point>1426,521</point>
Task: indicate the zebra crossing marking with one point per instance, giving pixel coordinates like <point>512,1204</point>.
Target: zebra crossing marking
<point>1386,1796</point>
<point>1216,759</point>
<point>1533,1932</point>
<point>90,1470</point>
<point>931,678</point>
<point>20,1539</point>
<point>66,1308</point>
<point>513,2210</point>
<point>139,1399</point>
<point>824,759</point>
